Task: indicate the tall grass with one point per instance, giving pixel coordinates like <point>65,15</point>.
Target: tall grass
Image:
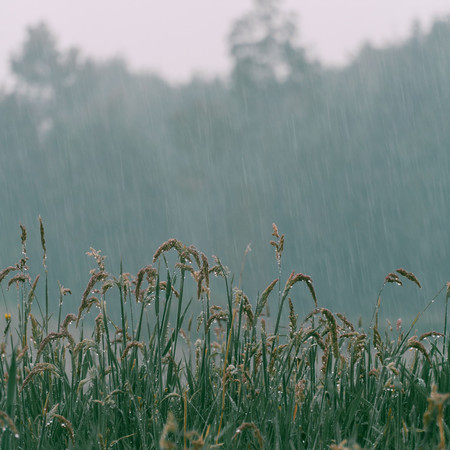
<point>232,378</point>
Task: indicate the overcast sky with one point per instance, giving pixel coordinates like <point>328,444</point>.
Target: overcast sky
<point>177,38</point>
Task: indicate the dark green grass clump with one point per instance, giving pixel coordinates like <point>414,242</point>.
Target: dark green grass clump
<point>235,377</point>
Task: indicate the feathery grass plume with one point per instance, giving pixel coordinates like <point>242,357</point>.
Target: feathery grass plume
<point>264,296</point>
<point>32,290</point>
<point>68,319</point>
<point>107,284</point>
<point>22,353</point>
<point>275,231</point>
<point>198,352</point>
<point>294,278</point>
<point>123,281</point>
<point>86,305</point>
<point>393,369</point>
<point>96,277</point>
<point>5,272</point>
<point>317,338</point>
<point>51,337</point>
<point>6,420</point>
<point>345,321</point>
<point>23,237</point>
<point>292,319</point>
<point>19,278</point>
<point>168,245</point>
<point>163,287</point>
<point>299,390</point>
<point>169,427</point>
<point>196,439</point>
<point>186,267</point>
<point>192,250</point>
<point>200,319</point>
<point>325,355</point>
<point>219,269</point>
<point>67,425</point>
<point>436,404</point>
<point>279,246</point>
<point>36,330</point>
<point>100,260</point>
<point>64,291</point>
<point>392,277</point>
<point>430,333</point>
<point>343,446</point>
<point>358,346</point>
<point>99,327</point>
<point>247,307</point>
<point>378,343</point>
<point>250,426</point>
<point>200,276</point>
<point>414,343</point>
<point>44,249</point>
<point>351,336</point>
<point>332,327</point>
<point>85,344</point>
<point>220,315</point>
<point>131,345</point>
<point>274,356</point>
<point>205,268</point>
<point>38,368</point>
<point>151,275</point>
<point>409,275</point>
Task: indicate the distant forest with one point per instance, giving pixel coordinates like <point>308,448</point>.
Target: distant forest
<point>351,163</point>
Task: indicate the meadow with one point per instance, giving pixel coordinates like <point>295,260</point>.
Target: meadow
<point>156,375</point>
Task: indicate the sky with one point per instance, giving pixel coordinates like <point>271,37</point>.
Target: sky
<point>179,38</point>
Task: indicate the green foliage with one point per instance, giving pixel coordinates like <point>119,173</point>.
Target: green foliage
<point>148,380</point>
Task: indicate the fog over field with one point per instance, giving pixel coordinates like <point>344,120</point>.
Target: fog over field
<point>129,125</point>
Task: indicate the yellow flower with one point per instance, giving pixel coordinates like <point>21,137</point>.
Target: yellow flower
<point>7,316</point>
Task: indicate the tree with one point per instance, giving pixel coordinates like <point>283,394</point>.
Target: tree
<point>40,64</point>
<point>262,44</point>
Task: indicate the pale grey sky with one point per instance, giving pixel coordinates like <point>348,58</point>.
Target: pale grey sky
<point>177,38</point>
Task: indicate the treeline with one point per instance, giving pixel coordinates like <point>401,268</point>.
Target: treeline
<point>351,163</point>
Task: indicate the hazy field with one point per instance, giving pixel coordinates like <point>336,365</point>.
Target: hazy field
<point>231,377</point>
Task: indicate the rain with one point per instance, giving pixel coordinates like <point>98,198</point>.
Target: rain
<point>351,161</point>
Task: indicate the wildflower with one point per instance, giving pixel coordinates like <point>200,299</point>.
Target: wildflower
<point>8,316</point>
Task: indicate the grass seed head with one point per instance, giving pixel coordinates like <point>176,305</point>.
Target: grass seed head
<point>19,278</point>
<point>264,296</point>
<point>99,327</point>
<point>205,269</point>
<point>393,278</point>
<point>345,321</point>
<point>6,420</point>
<point>409,275</point>
<point>292,319</point>
<point>131,345</point>
<point>38,368</point>
<point>67,425</point>
<point>5,272</point>
<point>414,343</point>
<point>250,426</point>
<point>44,249</point>
<point>169,427</point>
<point>68,319</point>
<point>275,231</point>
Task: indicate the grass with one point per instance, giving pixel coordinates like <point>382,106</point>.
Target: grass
<point>233,378</point>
